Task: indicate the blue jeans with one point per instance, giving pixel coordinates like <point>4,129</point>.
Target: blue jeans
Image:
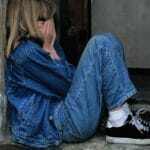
<point>101,80</point>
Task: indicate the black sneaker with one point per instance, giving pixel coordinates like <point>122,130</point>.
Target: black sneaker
<point>133,132</point>
<point>143,115</point>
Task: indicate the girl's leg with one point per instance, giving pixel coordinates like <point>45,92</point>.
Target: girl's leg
<point>101,79</point>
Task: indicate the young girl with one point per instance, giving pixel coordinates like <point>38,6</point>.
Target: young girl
<point>50,100</point>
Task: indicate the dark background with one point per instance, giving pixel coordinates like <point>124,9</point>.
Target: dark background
<point>75,27</point>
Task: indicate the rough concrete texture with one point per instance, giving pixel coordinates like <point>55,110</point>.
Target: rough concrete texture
<point>130,21</point>
<point>96,143</point>
<point>2,88</point>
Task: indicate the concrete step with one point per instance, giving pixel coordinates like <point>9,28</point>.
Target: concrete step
<point>99,143</point>
<point>96,143</point>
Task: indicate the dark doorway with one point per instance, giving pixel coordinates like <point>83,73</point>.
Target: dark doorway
<point>74,27</point>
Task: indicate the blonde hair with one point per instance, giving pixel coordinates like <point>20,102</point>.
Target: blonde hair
<point>22,17</point>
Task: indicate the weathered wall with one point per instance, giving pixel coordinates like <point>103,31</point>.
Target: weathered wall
<point>2,95</point>
<point>130,20</point>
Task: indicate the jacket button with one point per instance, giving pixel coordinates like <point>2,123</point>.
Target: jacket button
<point>57,143</point>
<point>50,118</point>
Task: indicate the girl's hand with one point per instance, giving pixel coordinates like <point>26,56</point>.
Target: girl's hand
<point>48,32</point>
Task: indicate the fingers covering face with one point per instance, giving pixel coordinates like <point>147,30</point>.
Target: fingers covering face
<point>46,27</point>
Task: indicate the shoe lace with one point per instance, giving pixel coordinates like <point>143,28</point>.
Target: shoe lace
<point>135,121</point>
<point>140,112</point>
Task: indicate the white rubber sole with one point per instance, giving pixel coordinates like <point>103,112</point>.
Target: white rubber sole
<point>127,141</point>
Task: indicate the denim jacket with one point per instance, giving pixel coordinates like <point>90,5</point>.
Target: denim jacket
<point>35,86</point>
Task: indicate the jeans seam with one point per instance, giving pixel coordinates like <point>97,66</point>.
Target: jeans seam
<point>76,99</point>
<point>123,98</point>
<point>114,68</point>
<point>83,81</point>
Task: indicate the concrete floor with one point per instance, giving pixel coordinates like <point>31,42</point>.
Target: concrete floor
<point>96,143</point>
<point>142,83</point>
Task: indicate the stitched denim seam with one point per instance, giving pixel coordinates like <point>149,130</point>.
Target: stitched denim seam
<point>28,119</point>
<point>123,98</point>
<point>24,55</point>
<point>21,135</point>
<point>64,124</point>
<point>114,69</point>
<point>126,95</point>
<point>75,101</point>
<point>78,95</point>
<point>83,81</point>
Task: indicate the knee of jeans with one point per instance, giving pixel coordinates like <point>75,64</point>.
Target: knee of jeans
<point>96,44</point>
<point>109,42</point>
<point>77,132</point>
<point>100,42</point>
<point>98,39</point>
<point>87,130</point>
